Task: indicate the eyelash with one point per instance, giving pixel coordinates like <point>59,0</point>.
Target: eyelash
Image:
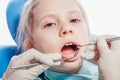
<point>75,20</point>
<point>49,24</point>
<point>53,24</point>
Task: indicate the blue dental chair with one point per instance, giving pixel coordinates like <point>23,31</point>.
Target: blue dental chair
<point>6,52</point>
<point>13,14</point>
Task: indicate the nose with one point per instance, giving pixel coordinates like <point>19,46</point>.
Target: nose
<point>66,30</point>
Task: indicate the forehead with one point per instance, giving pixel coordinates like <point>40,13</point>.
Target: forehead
<point>54,6</point>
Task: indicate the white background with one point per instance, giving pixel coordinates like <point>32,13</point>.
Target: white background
<point>103,16</point>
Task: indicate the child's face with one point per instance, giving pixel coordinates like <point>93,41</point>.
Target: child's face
<point>56,24</point>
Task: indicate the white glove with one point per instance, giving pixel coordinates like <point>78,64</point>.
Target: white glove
<point>107,56</point>
<point>29,57</point>
<point>109,59</point>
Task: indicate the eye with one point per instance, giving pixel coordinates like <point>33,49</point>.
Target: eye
<point>50,24</point>
<point>75,20</point>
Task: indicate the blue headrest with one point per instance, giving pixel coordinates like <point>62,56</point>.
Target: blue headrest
<point>13,14</point>
<point>6,52</point>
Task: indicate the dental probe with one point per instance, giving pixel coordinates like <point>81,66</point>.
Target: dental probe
<point>108,40</point>
<point>64,59</point>
<point>91,55</point>
<point>34,64</point>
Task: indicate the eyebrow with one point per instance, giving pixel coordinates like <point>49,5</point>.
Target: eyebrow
<point>50,15</point>
<point>54,15</point>
<point>75,11</point>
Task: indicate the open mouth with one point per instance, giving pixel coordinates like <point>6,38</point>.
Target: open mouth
<point>69,50</point>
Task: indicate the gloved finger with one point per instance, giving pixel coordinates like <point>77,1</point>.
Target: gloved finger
<point>115,45</point>
<point>13,62</point>
<point>91,47</point>
<point>102,46</point>
<point>89,55</point>
<point>32,54</point>
<point>83,55</point>
<point>108,37</point>
<point>36,70</point>
<point>29,55</point>
<point>94,47</point>
<point>92,56</point>
<point>54,57</point>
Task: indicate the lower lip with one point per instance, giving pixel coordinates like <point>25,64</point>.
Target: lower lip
<point>76,56</point>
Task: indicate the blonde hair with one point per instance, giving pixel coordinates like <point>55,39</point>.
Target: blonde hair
<point>26,20</point>
<point>25,23</point>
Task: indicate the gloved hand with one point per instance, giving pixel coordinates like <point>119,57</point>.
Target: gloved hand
<point>107,56</point>
<point>29,57</point>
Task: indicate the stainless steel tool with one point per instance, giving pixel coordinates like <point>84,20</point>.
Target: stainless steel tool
<point>64,59</point>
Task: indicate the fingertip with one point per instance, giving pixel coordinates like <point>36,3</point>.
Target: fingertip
<point>115,45</point>
<point>83,55</point>
<point>91,47</point>
<point>102,44</point>
<point>53,57</point>
<point>57,63</point>
<point>90,55</point>
<point>56,56</point>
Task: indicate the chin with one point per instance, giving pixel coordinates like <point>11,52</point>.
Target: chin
<point>68,67</point>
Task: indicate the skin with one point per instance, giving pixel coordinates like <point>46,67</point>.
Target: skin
<point>56,23</point>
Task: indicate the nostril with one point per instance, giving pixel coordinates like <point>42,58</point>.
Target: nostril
<point>64,32</point>
<point>70,31</point>
<point>67,32</point>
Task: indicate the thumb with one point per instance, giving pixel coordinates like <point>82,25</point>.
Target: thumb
<point>92,56</point>
<point>54,57</point>
<point>91,47</point>
<point>89,55</point>
<point>102,46</point>
<point>90,52</point>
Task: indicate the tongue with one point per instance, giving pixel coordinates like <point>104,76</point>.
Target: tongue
<point>67,52</point>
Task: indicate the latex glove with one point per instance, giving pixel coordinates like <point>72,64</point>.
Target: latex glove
<point>109,59</point>
<point>106,56</point>
<point>28,57</point>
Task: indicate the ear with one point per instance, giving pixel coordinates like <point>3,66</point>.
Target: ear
<point>28,44</point>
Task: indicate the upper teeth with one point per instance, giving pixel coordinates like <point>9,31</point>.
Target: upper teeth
<point>69,44</point>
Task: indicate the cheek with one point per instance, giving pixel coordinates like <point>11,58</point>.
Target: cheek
<point>41,43</point>
<point>44,43</point>
<point>45,40</point>
<point>84,36</point>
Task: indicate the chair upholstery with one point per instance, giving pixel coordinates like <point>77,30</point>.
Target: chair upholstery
<point>6,52</point>
<point>13,14</point>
